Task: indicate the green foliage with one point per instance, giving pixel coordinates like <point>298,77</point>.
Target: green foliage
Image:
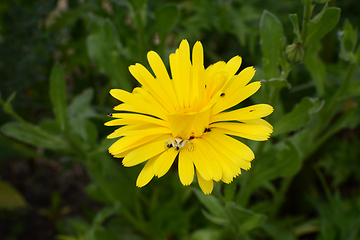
<point>10,197</point>
<point>303,182</point>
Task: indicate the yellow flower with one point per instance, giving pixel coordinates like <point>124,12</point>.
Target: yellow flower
<point>184,117</point>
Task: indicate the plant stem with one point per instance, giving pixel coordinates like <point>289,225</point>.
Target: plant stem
<point>306,19</point>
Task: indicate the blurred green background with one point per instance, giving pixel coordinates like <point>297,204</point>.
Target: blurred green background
<point>58,61</point>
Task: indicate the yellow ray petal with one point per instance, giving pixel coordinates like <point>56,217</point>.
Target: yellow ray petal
<point>258,122</point>
<point>121,122</point>
<point>137,103</point>
<point>130,142</point>
<point>144,152</point>
<point>239,81</point>
<point>146,96</point>
<point>234,155</point>
<point>229,169</point>
<point>246,113</point>
<point>215,83</point>
<point>122,130</point>
<point>148,131</point>
<point>176,79</point>
<point>232,66</point>
<point>203,146</point>
<point>201,163</point>
<point>198,71</point>
<point>250,131</point>
<point>245,152</point>
<point>186,167</point>
<point>148,81</point>
<point>146,173</point>
<point>184,66</point>
<point>137,118</point>
<point>205,185</point>
<point>212,69</point>
<point>164,162</point>
<point>231,100</point>
<point>162,76</point>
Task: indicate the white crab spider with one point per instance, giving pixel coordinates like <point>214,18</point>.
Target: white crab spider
<point>179,143</point>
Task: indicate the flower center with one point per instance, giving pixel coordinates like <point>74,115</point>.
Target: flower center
<point>186,124</point>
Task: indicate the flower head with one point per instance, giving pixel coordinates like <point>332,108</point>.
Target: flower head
<point>185,117</point>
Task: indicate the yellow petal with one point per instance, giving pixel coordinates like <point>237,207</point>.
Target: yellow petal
<point>176,78</point>
<point>245,130</point>
<point>231,100</point>
<point>146,173</point>
<point>259,122</point>
<point>203,146</point>
<point>144,152</point>
<point>205,185</point>
<point>130,142</point>
<point>122,130</point>
<point>238,147</point>
<point>215,83</point>
<point>198,71</point>
<point>229,169</point>
<point>148,131</point>
<point>137,118</point>
<point>234,155</point>
<point>246,113</point>
<point>162,76</point>
<point>213,69</point>
<point>137,103</point>
<point>184,66</point>
<point>201,163</point>
<point>186,167</point>
<point>239,81</point>
<point>148,81</point>
<point>232,66</point>
<point>146,96</point>
<point>164,162</point>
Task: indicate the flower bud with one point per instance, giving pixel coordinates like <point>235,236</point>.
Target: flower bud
<point>295,53</point>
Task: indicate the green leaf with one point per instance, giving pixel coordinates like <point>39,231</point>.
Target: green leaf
<point>78,113</point>
<point>295,23</point>
<point>105,49</point>
<point>214,219</point>
<point>244,219</point>
<point>282,159</point>
<point>349,119</point>
<point>166,18</point>
<point>117,183</point>
<point>277,233</point>
<point>7,105</point>
<point>298,117</point>
<point>271,31</point>
<point>10,198</point>
<point>316,68</point>
<point>207,234</point>
<point>80,107</point>
<point>58,95</point>
<point>32,135</point>
<point>277,83</point>
<point>321,24</point>
<point>211,203</point>
<point>348,40</point>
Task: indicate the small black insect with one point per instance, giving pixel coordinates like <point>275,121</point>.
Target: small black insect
<point>110,114</point>
<point>207,130</point>
<point>169,145</point>
<point>191,137</point>
<point>222,94</point>
<point>177,148</point>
